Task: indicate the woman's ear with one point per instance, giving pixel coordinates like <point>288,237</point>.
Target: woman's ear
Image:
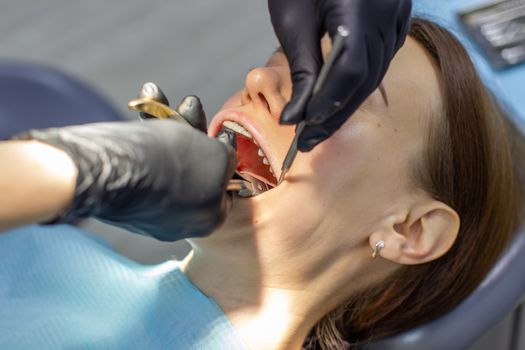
<point>426,233</point>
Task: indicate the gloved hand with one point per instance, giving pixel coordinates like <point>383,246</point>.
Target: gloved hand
<point>377,28</point>
<point>158,178</point>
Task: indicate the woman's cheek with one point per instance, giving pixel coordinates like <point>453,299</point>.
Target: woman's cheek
<point>347,155</point>
<point>233,101</point>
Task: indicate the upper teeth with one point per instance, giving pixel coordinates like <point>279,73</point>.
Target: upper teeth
<point>237,128</point>
<point>241,130</point>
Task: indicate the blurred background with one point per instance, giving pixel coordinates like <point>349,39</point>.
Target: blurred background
<point>187,47</point>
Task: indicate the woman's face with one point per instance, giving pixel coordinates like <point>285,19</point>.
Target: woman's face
<point>354,178</point>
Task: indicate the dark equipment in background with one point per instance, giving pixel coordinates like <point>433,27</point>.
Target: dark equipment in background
<point>34,96</point>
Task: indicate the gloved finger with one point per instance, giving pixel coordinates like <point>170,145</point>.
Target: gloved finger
<point>313,135</point>
<point>190,108</point>
<point>380,48</point>
<point>154,92</point>
<point>395,27</point>
<point>229,139</point>
<point>348,73</point>
<point>403,22</point>
<point>378,63</point>
<point>298,30</point>
<point>374,25</point>
<point>303,83</point>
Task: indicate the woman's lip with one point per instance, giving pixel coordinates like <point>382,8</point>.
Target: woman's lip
<point>245,121</point>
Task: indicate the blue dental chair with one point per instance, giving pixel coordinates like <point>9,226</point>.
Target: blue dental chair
<point>499,293</point>
<point>35,96</point>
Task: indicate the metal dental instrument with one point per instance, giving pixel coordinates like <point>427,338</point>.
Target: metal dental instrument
<point>153,103</point>
<point>337,46</point>
<point>246,188</point>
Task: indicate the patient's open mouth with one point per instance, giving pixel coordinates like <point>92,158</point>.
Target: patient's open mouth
<point>257,163</point>
<point>252,160</point>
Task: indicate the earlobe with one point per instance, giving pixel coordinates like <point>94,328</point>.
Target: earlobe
<point>425,234</point>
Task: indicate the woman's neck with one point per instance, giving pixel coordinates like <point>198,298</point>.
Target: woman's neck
<point>271,293</point>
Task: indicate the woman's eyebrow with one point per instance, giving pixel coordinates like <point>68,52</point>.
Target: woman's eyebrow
<point>382,90</point>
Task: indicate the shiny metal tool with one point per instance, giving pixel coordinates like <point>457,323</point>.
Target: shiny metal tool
<point>337,46</point>
<point>245,188</point>
<point>152,103</point>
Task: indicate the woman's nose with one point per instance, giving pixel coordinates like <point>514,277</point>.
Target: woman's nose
<point>263,87</point>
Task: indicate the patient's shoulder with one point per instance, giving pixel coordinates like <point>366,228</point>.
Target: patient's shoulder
<point>29,240</point>
<point>48,234</point>
<point>55,249</point>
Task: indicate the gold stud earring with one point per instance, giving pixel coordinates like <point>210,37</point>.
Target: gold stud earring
<point>379,245</point>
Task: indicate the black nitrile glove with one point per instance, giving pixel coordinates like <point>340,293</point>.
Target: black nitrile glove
<point>377,28</point>
<point>158,178</point>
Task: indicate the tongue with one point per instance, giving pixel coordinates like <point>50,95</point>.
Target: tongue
<point>249,162</point>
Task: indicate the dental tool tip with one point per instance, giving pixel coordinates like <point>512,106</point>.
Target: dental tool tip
<point>281,178</point>
<point>338,45</point>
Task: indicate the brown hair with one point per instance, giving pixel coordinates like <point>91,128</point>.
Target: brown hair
<point>471,164</point>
